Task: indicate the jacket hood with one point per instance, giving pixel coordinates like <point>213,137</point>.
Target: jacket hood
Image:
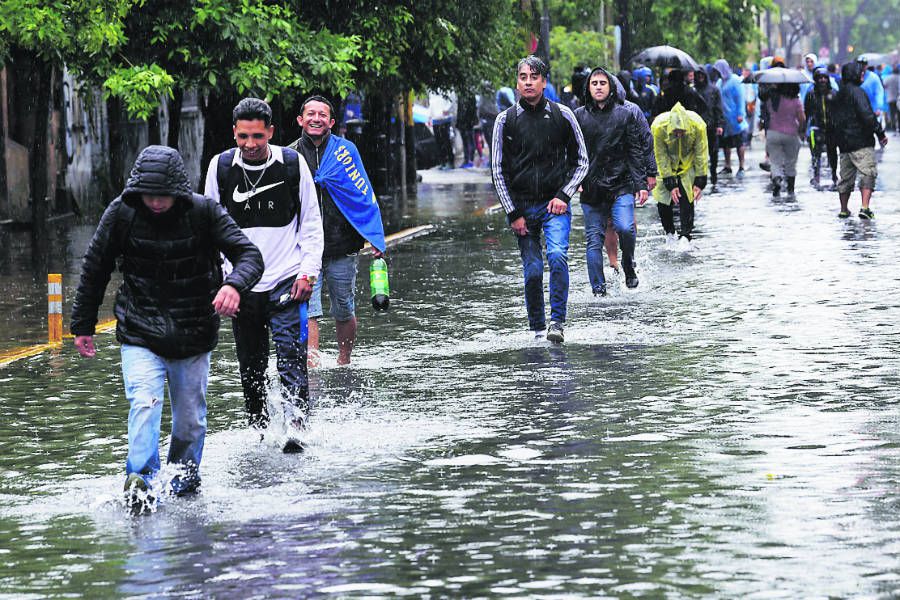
<point>811,57</point>
<point>158,170</point>
<point>850,73</point>
<point>678,118</point>
<point>616,91</point>
<point>722,67</point>
<point>701,78</point>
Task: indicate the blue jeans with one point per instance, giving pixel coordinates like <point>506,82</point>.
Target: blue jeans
<point>145,374</point>
<point>595,221</point>
<point>339,273</point>
<point>262,313</point>
<point>556,232</point>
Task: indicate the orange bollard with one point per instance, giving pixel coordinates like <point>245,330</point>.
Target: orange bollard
<point>54,308</point>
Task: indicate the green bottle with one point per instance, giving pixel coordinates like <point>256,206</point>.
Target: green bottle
<point>378,282</point>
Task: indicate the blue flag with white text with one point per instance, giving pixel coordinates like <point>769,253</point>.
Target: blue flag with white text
<point>341,172</point>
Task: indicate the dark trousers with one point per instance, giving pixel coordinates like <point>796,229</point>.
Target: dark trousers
<point>895,117</point>
<point>830,148</point>
<point>260,315</point>
<point>713,142</point>
<point>444,143</point>
<point>468,140</point>
<point>685,212</point>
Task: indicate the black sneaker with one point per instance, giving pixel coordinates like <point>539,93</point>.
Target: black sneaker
<point>137,495</point>
<point>844,214</point>
<point>866,213</point>
<point>765,166</point>
<point>601,291</point>
<point>293,446</point>
<point>631,282</point>
<point>555,332</point>
<point>725,171</point>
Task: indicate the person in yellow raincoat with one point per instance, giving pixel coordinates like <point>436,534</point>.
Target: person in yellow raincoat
<point>682,155</point>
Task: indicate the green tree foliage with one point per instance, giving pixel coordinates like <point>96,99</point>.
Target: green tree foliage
<point>569,49</point>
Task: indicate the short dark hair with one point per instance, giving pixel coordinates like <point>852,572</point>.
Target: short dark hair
<point>317,98</point>
<point>252,109</point>
<point>536,65</point>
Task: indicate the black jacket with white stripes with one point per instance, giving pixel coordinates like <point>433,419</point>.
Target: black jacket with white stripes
<point>538,154</point>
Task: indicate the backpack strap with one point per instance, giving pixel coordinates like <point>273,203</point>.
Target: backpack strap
<point>225,160</point>
<point>292,170</point>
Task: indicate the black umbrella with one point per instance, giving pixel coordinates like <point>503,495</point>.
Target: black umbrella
<point>665,57</point>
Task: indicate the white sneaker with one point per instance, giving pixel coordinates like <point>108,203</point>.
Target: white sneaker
<point>684,244</point>
<point>671,241</point>
<point>540,334</point>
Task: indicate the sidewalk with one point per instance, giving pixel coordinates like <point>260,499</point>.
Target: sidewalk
<point>437,177</point>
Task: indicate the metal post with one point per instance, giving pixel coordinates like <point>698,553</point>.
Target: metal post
<point>54,308</point>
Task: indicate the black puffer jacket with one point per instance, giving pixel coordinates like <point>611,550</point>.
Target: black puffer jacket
<point>612,136</point>
<point>855,125</point>
<point>170,262</point>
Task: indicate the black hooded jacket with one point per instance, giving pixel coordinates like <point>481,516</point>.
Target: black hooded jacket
<point>615,149</point>
<point>714,116</point>
<point>170,262</point>
<point>855,125</point>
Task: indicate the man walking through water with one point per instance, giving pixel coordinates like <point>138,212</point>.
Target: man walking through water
<point>350,216</point>
<point>856,129</point>
<point>270,193</point>
<point>167,309</point>
<point>537,163</point>
<point>613,140</point>
<point>679,142</point>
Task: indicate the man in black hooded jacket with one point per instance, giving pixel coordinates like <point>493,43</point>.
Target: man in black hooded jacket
<point>616,172</point>
<point>855,130</point>
<point>714,117</point>
<point>167,309</point>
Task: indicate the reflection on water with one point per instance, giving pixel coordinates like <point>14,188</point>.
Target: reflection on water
<point>725,430</point>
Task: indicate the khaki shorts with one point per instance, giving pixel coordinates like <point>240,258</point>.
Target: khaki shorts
<point>860,162</point>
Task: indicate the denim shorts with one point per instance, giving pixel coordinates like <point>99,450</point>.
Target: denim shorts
<point>339,274</point>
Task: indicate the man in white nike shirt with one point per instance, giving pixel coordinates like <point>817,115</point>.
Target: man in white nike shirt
<point>269,192</point>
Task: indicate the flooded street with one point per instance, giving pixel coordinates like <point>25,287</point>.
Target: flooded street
<point>729,429</point>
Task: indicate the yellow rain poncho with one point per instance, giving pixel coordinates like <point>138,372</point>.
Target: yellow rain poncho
<point>684,157</point>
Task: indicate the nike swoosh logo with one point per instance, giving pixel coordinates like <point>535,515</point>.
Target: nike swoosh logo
<point>244,196</point>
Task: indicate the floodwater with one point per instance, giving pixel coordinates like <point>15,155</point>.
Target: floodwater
<point>729,429</point>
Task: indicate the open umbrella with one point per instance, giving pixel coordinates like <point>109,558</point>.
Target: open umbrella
<point>665,57</point>
<point>782,75</point>
<point>872,58</point>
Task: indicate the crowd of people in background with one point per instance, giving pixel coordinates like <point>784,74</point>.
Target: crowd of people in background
<point>611,135</point>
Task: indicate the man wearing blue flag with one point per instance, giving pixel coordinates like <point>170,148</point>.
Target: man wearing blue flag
<point>350,217</point>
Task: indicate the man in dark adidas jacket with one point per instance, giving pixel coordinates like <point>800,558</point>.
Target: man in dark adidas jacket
<point>270,193</point>
<point>538,159</point>
<point>168,306</point>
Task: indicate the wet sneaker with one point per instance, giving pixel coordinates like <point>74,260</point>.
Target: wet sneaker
<point>631,282</point>
<point>293,446</point>
<point>725,171</point>
<point>684,244</point>
<point>601,291</point>
<point>137,495</point>
<point>539,334</point>
<point>765,166</point>
<point>671,241</point>
<point>555,332</point>
<point>740,173</point>
<point>814,182</point>
<point>844,214</point>
<point>866,213</point>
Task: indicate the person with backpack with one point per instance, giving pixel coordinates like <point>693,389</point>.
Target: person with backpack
<point>270,192</point>
<point>537,163</point>
<point>167,241</point>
